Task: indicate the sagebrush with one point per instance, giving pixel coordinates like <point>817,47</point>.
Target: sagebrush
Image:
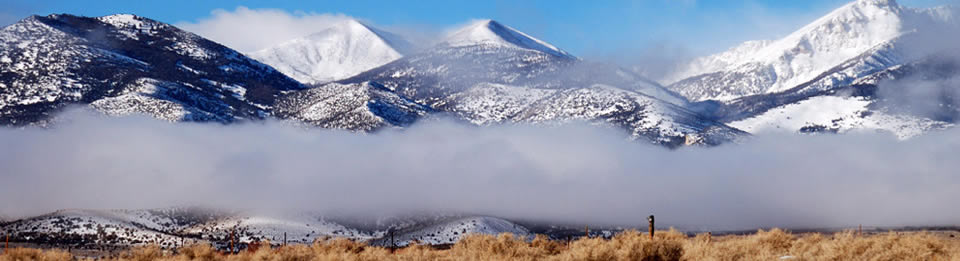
<point>774,244</point>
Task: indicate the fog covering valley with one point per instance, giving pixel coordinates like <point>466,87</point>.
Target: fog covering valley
<point>575,173</point>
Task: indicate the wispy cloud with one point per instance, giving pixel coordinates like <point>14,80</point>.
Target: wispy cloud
<point>249,30</point>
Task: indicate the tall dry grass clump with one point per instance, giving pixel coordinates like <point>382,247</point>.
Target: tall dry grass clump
<point>764,245</point>
<point>774,244</point>
<point>630,245</point>
<point>503,247</point>
<point>778,244</point>
<point>15,254</point>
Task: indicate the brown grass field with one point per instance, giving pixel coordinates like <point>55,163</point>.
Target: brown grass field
<point>667,245</point>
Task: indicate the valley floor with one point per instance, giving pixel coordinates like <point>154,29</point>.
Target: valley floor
<point>774,244</point>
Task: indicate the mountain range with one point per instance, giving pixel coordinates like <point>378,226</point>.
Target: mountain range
<point>484,73</point>
<point>488,73</point>
<point>870,65</point>
<point>835,74</point>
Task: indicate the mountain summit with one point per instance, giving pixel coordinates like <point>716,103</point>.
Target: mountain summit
<point>490,32</point>
<point>343,50</point>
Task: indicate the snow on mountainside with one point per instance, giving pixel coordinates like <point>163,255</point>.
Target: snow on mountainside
<point>175,227</point>
<point>171,228</point>
<point>301,228</point>
<point>485,81</point>
<point>906,100</point>
<point>760,67</point>
<point>124,64</point>
<point>837,74</point>
<point>640,115</point>
<point>127,64</point>
<point>836,114</point>
<point>451,231</point>
<point>108,227</point>
<point>346,49</point>
<point>360,106</point>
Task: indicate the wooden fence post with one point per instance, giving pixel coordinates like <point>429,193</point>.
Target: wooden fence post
<point>650,219</point>
<point>393,243</point>
<point>586,230</point>
<point>231,241</point>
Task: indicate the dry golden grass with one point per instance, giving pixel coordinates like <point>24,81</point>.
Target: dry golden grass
<point>668,245</point>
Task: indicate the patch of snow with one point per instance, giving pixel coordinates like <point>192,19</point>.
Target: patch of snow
<point>122,20</point>
<point>451,231</point>
<point>842,114</point>
<point>191,70</point>
<point>302,228</point>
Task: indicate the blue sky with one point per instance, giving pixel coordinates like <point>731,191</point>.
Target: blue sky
<point>585,28</point>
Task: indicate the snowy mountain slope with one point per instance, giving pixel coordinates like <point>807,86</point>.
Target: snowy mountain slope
<point>490,103</point>
<point>107,227</point>
<point>171,228</point>
<point>124,64</point>
<point>717,62</point>
<point>450,231</point>
<point>827,83</point>
<point>802,82</point>
<point>344,50</point>
<point>360,106</point>
<point>906,100</point>
<point>640,115</point>
<point>174,227</point>
<point>836,114</point>
<point>853,30</point>
<point>301,228</point>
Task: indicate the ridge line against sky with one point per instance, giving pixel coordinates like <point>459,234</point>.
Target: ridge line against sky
<point>584,28</point>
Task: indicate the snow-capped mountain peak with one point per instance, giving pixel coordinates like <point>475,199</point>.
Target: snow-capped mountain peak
<point>840,35</point>
<point>759,67</point>
<point>490,32</point>
<point>340,51</point>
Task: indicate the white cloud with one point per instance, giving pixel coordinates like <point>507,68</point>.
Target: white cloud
<point>248,30</point>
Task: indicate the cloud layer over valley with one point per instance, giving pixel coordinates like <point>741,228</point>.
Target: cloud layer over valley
<point>572,174</point>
